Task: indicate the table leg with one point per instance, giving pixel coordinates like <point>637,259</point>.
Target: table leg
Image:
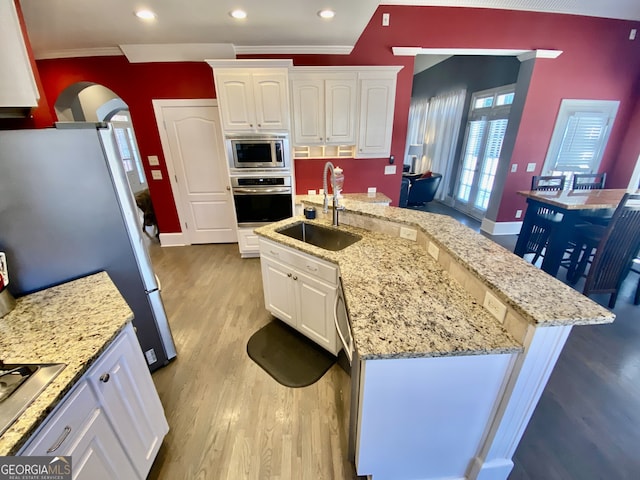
<point>526,229</point>
<point>558,242</point>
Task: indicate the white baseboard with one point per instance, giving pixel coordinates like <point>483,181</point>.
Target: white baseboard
<point>500,228</point>
<point>172,240</point>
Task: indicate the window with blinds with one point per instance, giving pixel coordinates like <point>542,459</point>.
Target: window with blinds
<point>580,136</point>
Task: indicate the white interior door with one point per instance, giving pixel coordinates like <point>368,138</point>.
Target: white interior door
<point>194,150</point>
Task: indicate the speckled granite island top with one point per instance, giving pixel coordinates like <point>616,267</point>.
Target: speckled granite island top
<point>401,302</point>
<point>541,299</point>
<point>71,323</point>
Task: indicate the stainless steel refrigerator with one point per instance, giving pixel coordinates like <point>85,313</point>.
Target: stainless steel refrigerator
<point>66,211</point>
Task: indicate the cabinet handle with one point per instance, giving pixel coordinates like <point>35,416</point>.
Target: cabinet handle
<point>251,125</point>
<point>312,268</point>
<point>289,275</point>
<point>295,278</point>
<point>61,439</point>
<point>259,125</point>
<point>275,254</point>
<point>320,138</point>
<point>104,378</point>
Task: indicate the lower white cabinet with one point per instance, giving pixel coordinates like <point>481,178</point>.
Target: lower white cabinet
<point>301,290</point>
<point>248,243</point>
<point>112,422</point>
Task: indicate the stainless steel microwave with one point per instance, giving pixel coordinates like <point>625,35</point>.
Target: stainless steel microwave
<point>263,152</point>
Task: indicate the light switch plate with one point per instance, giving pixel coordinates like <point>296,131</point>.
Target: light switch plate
<point>390,170</point>
<point>531,167</point>
<point>514,168</point>
<point>408,233</point>
<point>385,19</point>
<point>156,174</point>
<point>311,192</point>
<point>518,213</point>
<point>371,190</point>
<point>153,160</point>
<point>495,306</point>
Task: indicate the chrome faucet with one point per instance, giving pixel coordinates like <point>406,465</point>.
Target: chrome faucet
<point>336,208</point>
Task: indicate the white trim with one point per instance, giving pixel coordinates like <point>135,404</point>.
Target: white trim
<point>172,240</point>
<point>496,52</point>
<point>250,63</point>
<point>540,54</point>
<point>634,181</point>
<point>293,49</point>
<point>158,105</point>
<point>177,52</point>
<point>500,228</point>
<point>80,52</point>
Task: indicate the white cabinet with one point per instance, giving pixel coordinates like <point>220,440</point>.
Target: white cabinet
<point>253,100</point>
<point>324,107</point>
<point>248,243</point>
<point>80,429</point>
<point>17,83</point>
<point>123,385</point>
<point>377,104</point>
<point>112,421</point>
<point>301,290</point>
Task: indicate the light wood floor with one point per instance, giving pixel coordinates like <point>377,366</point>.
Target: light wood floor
<point>228,418</point>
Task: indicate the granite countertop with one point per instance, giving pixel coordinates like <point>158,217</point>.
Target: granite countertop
<point>376,197</point>
<point>71,323</point>
<point>401,302</point>
<point>539,298</point>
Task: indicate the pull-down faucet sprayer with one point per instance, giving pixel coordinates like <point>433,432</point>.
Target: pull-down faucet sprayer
<point>325,208</point>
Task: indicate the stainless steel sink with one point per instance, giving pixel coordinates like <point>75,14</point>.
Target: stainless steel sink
<point>323,237</point>
<point>20,385</point>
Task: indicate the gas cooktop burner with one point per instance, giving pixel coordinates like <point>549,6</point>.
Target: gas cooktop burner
<point>20,385</point>
<point>12,377</point>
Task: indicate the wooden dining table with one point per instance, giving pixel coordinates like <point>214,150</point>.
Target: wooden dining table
<point>572,204</point>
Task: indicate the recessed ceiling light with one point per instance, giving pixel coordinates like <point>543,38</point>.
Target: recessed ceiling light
<point>326,14</point>
<point>145,14</point>
<point>239,14</point>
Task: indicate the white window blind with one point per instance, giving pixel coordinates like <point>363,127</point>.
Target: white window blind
<point>580,136</point>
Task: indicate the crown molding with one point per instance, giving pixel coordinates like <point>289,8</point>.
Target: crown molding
<point>539,54</point>
<point>177,52</point>
<point>497,52</point>
<point>293,49</point>
<point>250,63</point>
<point>79,52</point>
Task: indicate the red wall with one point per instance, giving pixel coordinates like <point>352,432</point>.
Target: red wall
<point>598,62</point>
<point>137,84</point>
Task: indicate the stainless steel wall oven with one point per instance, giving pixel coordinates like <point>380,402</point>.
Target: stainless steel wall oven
<point>261,199</point>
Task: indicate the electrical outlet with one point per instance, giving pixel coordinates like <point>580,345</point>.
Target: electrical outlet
<point>321,191</point>
<point>151,356</point>
<point>632,34</point>
<point>433,250</point>
<point>153,160</point>
<point>372,190</point>
<point>390,170</point>
<point>495,306</point>
<point>408,233</point>
<point>156,174</point>
<point>311,192</point>
<point>514,168</point>
<point>518,213</point>
<point>385,19</point>
<point>531,167</point>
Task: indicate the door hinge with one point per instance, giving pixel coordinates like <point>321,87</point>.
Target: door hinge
<point>176,177</point>
<point>186,225</point>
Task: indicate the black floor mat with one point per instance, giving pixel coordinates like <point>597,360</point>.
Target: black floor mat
<point>288,356</point>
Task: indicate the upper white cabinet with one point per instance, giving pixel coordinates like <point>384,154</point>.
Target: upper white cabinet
<point>253,99</point>
<point>17,83</point>
<point>324,107</point>
<point>377,105</point>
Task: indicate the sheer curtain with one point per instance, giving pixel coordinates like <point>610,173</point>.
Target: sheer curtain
<point>417,123</point>
<point>441,133</point>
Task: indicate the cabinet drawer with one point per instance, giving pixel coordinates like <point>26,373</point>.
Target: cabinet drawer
<point>301,261</point>
<point>63,427</point>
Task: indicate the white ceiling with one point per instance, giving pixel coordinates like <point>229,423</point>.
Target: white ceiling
<point>59,28</point>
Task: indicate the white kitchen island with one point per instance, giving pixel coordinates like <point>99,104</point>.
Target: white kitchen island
<point>454,339</point>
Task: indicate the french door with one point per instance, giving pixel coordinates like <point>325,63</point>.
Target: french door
<point>486,127</point>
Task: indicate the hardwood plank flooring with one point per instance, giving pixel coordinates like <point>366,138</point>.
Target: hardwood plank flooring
<point>228,418</point>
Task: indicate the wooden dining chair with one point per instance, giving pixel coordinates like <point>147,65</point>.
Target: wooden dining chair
<point>588,181</point>
<point>615,247</point>
<point>546,220</point>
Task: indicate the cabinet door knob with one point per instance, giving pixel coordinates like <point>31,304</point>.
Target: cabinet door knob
<point>251,125</point>
<point>228,188</point>
<point>289,275</point>
<point>295,278</point>
<point>104,378</point>
<point>259,125</point>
